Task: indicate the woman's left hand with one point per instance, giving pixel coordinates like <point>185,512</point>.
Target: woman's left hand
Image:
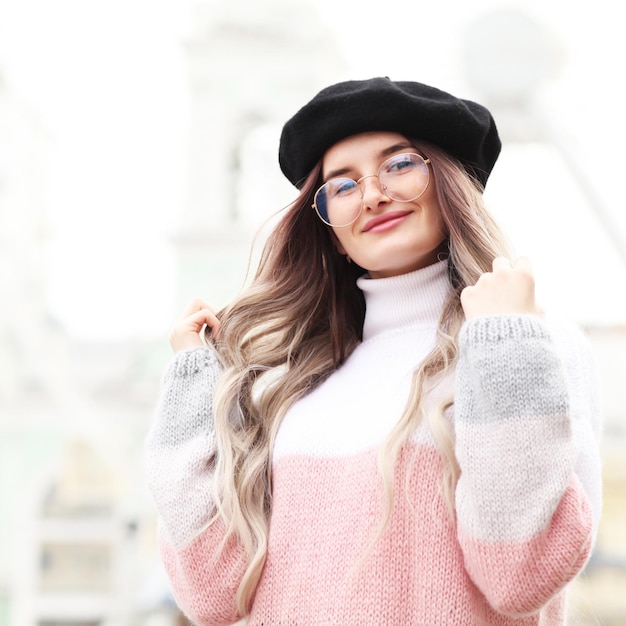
<point>507,289</point>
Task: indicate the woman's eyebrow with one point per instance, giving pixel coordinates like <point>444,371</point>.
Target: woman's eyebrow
<point>383,153</point>
<point>397,146</point>
<point>335,173</point>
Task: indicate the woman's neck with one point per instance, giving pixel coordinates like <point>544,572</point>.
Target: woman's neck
<point>411,299</point>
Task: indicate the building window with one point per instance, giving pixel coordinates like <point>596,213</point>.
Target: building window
<point>75,567</point>
<point>4,609</point>
<point>68,623</point>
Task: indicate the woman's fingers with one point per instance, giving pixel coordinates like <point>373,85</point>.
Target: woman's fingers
<point>523,263</point>
<point>507,289</point>
<point>190,331</point>
<point>501,263</point>
<point>197,305</point>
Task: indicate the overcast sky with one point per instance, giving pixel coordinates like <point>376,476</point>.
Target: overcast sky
<point>101,76</point>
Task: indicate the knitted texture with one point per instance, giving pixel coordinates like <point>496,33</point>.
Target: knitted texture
<point>526,422</point>
<point>181,443</point>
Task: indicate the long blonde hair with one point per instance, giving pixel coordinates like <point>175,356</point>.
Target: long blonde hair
<point>299,319</point>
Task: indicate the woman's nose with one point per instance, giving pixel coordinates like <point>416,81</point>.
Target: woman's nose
<point>372,192</point>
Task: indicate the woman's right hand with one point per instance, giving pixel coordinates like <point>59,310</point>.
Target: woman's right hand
<point>186,334</point>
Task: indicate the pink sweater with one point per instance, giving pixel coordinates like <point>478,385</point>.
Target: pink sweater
<point>526,423</point>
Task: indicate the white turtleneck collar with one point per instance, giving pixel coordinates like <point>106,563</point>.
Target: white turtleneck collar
<point>412,299</point>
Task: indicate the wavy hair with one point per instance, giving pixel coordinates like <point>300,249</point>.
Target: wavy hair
<point>298,320</point>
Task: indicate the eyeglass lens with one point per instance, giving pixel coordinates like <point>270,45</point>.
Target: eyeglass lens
<point>403,177</point>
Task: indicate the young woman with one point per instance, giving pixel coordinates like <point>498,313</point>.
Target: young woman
<point>383,429</point>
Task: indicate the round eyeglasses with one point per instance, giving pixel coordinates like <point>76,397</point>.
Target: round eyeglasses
<point>403,178</point>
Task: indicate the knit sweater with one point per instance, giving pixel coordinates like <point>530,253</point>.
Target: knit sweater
<point>527,502</point>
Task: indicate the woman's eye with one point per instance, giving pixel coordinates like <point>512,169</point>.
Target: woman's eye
<point>401,165</point>
<point>343,187</point>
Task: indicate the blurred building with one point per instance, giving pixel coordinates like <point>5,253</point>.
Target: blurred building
<point>251,65</point>
<point>77,526</point>
<point>69,514</point>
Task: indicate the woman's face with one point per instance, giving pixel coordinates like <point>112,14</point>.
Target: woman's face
<point>389,237</point>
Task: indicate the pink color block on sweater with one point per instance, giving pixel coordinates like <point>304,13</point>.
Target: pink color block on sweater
<point>319,571</point>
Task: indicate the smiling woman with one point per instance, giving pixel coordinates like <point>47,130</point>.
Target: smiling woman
<point>382,428</point>
<point>398,225</point>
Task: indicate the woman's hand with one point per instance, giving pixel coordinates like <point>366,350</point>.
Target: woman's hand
<point>186,334</point>
<point>505,290</point>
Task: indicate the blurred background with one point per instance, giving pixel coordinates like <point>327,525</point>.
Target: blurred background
<point>138,169</point>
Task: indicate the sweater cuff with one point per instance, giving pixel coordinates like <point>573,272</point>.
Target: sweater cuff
<point>191,361</point>
<point>495,328</point>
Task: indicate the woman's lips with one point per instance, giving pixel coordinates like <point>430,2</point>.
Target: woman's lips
<point>385,221</point>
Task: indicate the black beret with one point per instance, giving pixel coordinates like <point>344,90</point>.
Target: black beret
<point>462,128</point>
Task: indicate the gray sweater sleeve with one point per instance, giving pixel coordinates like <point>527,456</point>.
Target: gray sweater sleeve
<point>526,423</point>
<point>180,445</point>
